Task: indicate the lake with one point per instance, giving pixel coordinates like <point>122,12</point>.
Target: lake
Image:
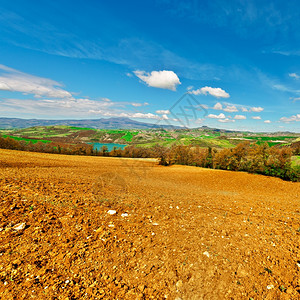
<point>109,146</point>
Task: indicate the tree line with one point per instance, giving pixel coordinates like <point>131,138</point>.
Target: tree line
<point>248,157</point>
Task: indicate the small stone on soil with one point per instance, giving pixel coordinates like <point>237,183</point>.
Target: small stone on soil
<point>19,226</point>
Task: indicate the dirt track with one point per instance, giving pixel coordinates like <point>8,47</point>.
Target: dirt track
<point>190,233</point>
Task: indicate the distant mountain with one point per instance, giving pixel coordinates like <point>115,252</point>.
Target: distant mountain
<point>110,123</point>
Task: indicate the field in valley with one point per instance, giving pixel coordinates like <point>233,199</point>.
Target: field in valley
<point>74,227</point>
<point>203,136</point>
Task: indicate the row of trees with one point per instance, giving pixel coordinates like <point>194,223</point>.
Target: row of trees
<point>53,147</point>
<point>248,157</point>
<point>252,158</point>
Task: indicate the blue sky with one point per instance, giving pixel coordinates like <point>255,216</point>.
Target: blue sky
<point>236,62</point>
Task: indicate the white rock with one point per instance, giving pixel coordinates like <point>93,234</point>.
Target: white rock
<point>124,215</point>
<point>19,226</point>
<point>67,281</point>
<point>206,253</point>
<point>270,286</point>
<point>298,264</point>
<point>111,225</point>
<point>112,212</point>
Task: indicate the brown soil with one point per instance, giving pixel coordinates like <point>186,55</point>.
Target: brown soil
<point>190,233</point>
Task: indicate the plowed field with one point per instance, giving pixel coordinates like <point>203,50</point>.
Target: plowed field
<point>108,228</point>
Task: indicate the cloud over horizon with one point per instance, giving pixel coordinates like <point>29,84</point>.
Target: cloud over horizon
<point>215,92</point>
<point>294,118</point>
<point>15,81</point>
<point>256,109</point>
<point>220,116</point>
<point>294,75</point>
<point>159,79</point>
<point>240,117</point>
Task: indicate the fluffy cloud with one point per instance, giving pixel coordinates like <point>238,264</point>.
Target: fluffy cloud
<point>218,106</point>
<point>294,75</point>
<point>295,99</point>
<point>159,79</point>
<point>77,108</point>
<point>295,118</point>
<point>256,118</point>
<point>244,109</point>
<point>129,115</point>
<point>226,120</point>
<point>56,107</point>
<point>230,108</point>
<point>267,121</point>
<point>240,117</point>
<point>220,116</point>
<point>216,92</point>
<point>139,104</point>
<point>256,109</point>
<point>15,81</point>
<point>163,112</point>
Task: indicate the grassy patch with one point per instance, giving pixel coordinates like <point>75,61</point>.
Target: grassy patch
<point>128,136</point>
<point>34,141</point>
<point>295,161</point>
<point>80,128</point>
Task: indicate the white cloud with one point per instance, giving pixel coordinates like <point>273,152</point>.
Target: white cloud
<point>216,92</point>
<point>190,87</point>
<point>240,117</point>
<point>220,116</point>
<point>163,112</point>
<point>256,109</point>
<point>295,118</point>
<point>136,104</point>
<point>75,108</point>
<point>105,99</point>
<point>129,115</point>
<point>230,108</point>
<point>256,118</point>
<point>267,121</point>
<point>129,74</point>
<point>15,81</point>
<point>244,109</point>
<point>218,106</point>
<point>55,108</point>
<point>294,75</point>
<point>295,99</point>
<point>226,120</point>
<point>159,79</point>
